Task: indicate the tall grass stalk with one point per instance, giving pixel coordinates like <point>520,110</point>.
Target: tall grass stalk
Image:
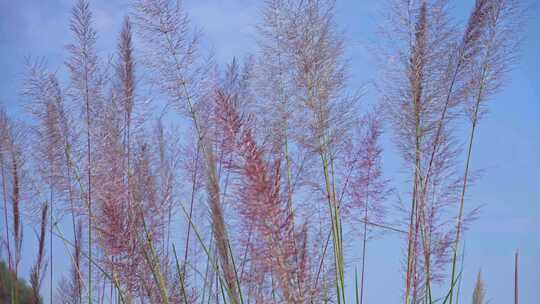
<point>178,47</point>
<point>83,69</point>
<point>516,278</point>
<point>67,243</point>
<point>286,175</point>
<point>499,45</point>
<point>417,74</point>
<point>219,275</point>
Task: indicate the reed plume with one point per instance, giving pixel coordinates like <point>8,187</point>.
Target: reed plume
<point>46,105</point>
<point>479,292</point>
<point>421,100</point>
<point>12,162</point>
<point>165,28</point>
<point>261,206</point>
<point>367,188</point>
<point>85,91</point>
<point>489,68</point>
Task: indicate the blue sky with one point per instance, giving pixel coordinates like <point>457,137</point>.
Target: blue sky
<point>507,146</point>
